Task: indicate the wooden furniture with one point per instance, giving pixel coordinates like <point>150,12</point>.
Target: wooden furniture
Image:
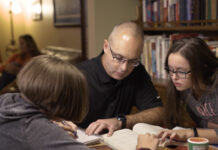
<point>103,146</point>
<point>100,146</point>
<point>73,56</point>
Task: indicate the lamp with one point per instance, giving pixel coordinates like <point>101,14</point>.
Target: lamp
<point>14,9</point>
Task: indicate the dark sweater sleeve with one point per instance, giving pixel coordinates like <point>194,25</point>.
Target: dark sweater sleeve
<point>44,135</point>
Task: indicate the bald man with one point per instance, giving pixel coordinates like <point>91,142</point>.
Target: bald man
<point>117,81</point>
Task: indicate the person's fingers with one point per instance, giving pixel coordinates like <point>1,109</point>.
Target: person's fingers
<point>58,123</point>
<point>110,131</point>
<point>164,136</point>
<point>66,125</point>
<point>91,128</point>
<point>160,134</point>
<point>72,125</point>
<point>173,136</point>
<point>72,134</point>
<point>99,128</point>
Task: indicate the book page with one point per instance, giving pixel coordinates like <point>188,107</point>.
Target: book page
<point>124,139</point>
<point>86,139</point>
<point>143,128</point>
<point>179,128</point>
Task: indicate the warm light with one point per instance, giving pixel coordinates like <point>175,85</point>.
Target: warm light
<point>37,9</point>
<point>15,8</point>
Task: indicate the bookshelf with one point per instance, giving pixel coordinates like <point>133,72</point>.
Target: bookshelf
<point>167,17</point>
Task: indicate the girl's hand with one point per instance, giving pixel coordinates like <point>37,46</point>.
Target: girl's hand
<point>177,135</point>
<point>68,126</point>
<point>147,141</point>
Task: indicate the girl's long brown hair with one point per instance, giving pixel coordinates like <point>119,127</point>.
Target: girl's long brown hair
<point>203,64</point>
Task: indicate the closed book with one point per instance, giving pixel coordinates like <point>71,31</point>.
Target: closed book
<point>155,11</point>
<point>202,9</point>
<point>165,10</point>
<point>161,11</point>
<point>144,19</point>
<point>149,10</point>
<point>209,9</point>
<point>177,10</point>
<point>183,10</point>
<point>213,9</point>
<point>153,53</point>
<point>195,10</point>
<point>189,9</point>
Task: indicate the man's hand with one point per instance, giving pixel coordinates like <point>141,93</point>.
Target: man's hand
<point>178,135</point>
<point>111,124</point>
<point>147,141</point>
<point>68,126</point>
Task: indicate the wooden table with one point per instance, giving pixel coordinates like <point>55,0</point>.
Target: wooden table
<point>103,146</point>
<point>100,146</point>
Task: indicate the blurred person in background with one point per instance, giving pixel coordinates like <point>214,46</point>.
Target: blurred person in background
<point>12,66</point>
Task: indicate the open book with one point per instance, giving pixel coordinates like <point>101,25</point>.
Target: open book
<point>126,139</point>
<point>84,138</point>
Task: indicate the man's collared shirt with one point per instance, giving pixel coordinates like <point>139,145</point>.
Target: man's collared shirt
<point>109,97</point>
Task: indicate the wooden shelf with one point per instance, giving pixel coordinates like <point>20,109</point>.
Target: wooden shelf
<point>182,28</point>
<point>194,25</point>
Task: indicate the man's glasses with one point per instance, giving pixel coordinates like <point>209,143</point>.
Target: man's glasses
<point>121,60</point>
<point>179,74</point>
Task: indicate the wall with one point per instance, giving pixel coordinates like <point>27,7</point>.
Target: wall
<point>102,16</point>
<point>43,31</point>
<point>5,31</point>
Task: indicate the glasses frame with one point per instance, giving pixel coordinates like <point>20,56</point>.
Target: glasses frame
<point>171,72</point>
<point>122,60</point>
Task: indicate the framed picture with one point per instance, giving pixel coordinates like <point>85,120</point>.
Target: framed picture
<point>67,13</point>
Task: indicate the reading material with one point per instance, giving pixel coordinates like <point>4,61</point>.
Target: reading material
<point>126,139</point>
<point>84,138</point>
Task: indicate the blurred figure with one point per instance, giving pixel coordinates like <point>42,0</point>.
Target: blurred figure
<point>12,66</point>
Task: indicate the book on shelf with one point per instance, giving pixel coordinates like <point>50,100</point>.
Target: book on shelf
<point>156,48</point>
<point>178,10</point>
<point>165,10</point>
<point>126,139</point>
<point>154,53</point>
<point>213,9</point>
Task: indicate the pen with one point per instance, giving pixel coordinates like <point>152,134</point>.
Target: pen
<point>66,124</point>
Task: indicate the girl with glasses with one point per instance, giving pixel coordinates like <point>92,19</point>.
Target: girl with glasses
<point>193,85</point>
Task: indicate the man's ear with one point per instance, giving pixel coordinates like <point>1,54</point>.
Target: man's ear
<point>105,46</point>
